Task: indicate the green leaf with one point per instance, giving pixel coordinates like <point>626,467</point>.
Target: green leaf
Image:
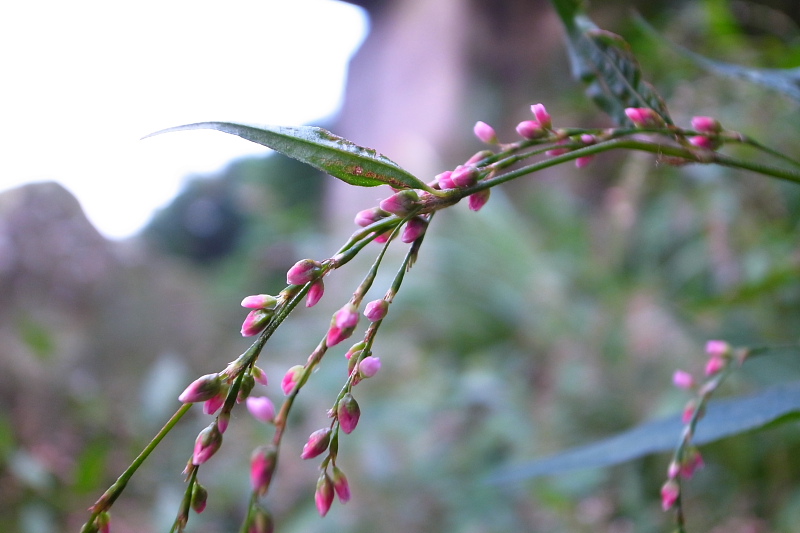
<point>322,150</point>
<point>605,62</point>
<point>723,418</point>
<point>783,80</point>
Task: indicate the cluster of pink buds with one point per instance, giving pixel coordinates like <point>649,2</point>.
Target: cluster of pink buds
<point>262,309</point>
<point>537,128</point>
<point>711,128</point>
<point>308,271</point>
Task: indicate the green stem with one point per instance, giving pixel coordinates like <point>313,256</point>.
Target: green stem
<point>107,499</point>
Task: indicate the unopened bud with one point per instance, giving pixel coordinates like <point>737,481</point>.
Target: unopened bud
<point>376,310</point>
<point>706,124</point>
<point>369,216</point>
<point>260,521</point>
<point>669,494</point>
<point>208,442</point>
<point>444,180</point>
<point>530,129</point>
<point>347,413</point>
<point>246,387</point>
<point>478,199</point>
<point>199,498</point>
<point>303,271</point>
<point>485,132</point>
<point>261,408</point>
<point>255,321</point>
<point>464,176</point>
<point>401,203</point>
<point>643,117</point>
<point>315,293</point>
<point>414,229</point>
<point>291,378</point>
<point>323,496</point>
<point>260,301</point>
<point>259,375</point>
<point>369,366</point>
<point>262,466</point>
<point>202,389</point>
<point>542,116</point>
<point>317,443</point>
<point>340,485</point>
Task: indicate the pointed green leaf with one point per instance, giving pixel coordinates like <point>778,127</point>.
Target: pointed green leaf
<point>322,150</point>
<point>723,418</point>
<point>605,62</point>
<point>783,80</point>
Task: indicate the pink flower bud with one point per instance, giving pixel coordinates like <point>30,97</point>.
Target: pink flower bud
<point>292,377</point>
<point>401,203</point>
<point>464,176</point>
<point>261,408</point>
<point>347,413</point>
<point>303,271</point>
<point>445,181</point>
<point>315,293</point>
<point>714,365</point>
<point>558,151</point>
<point>414,229</point>
<point>643,116</point>
<point>369,216</point>
<point>673,470</point>
<point>355,349</point>
<point>688,412</point>
<point>682,379</point>
<point>478,157</point>
<point>260,301</point>
<point>317,443</point>
<point>202,389</point>
<point>369,366</point>
<point>346,317</point>
<point>669,494</point>
<point>718,348</point>
<point>262,466</point>
<point>222,421</point>
<point>255,322</point>
<point>530,129</point>
<point>212,405</point>
<point>245,388</point>
<point>706,124</point>
<point>199,498</point>
<point>323,496</point>
<point>691,463</point>
<point>259,375</point>
<point>207,443</point>
<point>336,335</point>
<point>542,116</point>
<point>340,485</point>
<point>376,310</point>
<point>701,141</point>
<point>485,133</point>
<point>478,199</point>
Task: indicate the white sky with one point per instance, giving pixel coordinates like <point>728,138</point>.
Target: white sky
<point>82,81</point>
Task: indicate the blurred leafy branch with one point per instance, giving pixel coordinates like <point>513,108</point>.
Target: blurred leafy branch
<point>606,64</point>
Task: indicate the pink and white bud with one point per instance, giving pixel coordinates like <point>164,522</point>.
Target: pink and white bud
<point>207,443</point>
<point>414,229</point>
<point>260,301</point>
<point>718,348</point>
<point>212,405</point>
<point>682,379</point>
<point>262,466</point>
<point>485,133</point>
<point>477,157</point>
<point>199,498</point>
<point>317,443</point>
<point>701,141</point>
<point>464,176</point>
<point>323,496</point>
<point>643,116</point>
<point>669,494</point>
<point>445,181</point>
<point>706,124</point>
<point>348,413</point>
<point>346,317</point>
<point>259,375</point>
<point>315,293</point>
<point>369,216</point>
<point>291,378</point>
<point>369,366</point>
<point>261,408</point>
<point>223,419</point>
<point>376,310</point>
<point>340,485</point>
<point>202,389</point>
<point>255,322</point>
<point>401,203</point>
<point>714,365</point>
<point>479,199</point>
<point>303,271</point>
<point>530,129</point>
<point>542,116</point>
